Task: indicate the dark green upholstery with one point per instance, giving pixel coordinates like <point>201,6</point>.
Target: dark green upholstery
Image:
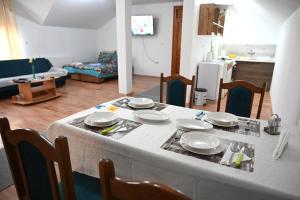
<point>176,92</point>
<point>86,187</point>
<point>11,68</point>
<point>36,172</point>
<point>239,101</point>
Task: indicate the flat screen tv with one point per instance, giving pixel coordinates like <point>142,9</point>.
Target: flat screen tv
<point>142,25</point>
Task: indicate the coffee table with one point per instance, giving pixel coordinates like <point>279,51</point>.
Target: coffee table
<point>29,93</point>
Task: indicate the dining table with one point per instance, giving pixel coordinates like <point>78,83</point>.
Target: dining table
<point>140,155</point>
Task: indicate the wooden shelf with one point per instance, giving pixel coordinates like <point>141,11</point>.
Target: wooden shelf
<point>41,88</point>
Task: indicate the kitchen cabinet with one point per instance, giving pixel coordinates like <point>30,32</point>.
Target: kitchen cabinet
<point>211,20</point>
<point>254,72</point>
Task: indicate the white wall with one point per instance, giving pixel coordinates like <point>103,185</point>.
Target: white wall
<point>285,91</point>
<point>149,49</point>
<point>107,36</point>
<point>68,43</point>
<point>249,23</point>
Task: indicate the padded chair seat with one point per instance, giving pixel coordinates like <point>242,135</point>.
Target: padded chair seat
<point>86,187</point>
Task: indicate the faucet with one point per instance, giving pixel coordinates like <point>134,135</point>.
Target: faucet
<point>251,53</point>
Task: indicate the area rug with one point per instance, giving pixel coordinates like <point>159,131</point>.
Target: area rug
<point>5,175</point>
<point>153,93</point>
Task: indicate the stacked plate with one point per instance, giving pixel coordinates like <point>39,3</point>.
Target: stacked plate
<point>141,103</point>
<point>192,124</point>
<point>101,119</point>
<point>222,119</point>
<point>201,143</point>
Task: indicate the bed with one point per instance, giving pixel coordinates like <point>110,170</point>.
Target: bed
<point>107,67</point>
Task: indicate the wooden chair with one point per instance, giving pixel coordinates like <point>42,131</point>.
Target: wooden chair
<point>115,188</point>
<point>240,97</point>
<point>176,89</point>
<point>31,158</point>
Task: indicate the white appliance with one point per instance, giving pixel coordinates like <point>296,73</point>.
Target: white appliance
<point>209,75</point>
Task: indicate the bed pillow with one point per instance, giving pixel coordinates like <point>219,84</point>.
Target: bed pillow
<point>108,57</point>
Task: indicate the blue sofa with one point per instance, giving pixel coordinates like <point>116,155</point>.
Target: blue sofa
<point>14,69</point>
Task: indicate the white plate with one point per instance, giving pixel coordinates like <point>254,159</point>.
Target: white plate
<point>140,102</point>
<point>100,125</point>
<point>101,118</point>
<point>140,107</point>
<point>194,124</point>
<point>151,115</point>
<point>232,124</point>
<point>199,141</point>
<point>221,117</point>
<point>217,150</point>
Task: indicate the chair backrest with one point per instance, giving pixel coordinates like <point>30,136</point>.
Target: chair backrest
<point>240,97</point>
<point>176,89</point>
<point>115,188</point>
<point>31,158</point>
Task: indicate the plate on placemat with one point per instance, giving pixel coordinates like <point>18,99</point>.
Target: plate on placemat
<point>222,119</point>
<point>151,115</point>
<point>201,143</point>
<point>101,119</point>
<point>140,107</point>
<point>232,124</point>
<point>141,102</point>
<point>193,124</point>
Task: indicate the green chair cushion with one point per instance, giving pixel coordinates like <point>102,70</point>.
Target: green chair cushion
<point>35,169</point>
<point>176,92</point>
<point>86,187</point>
<point>239,101</point>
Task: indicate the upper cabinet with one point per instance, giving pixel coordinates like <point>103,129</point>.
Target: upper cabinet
<point>211,19</point>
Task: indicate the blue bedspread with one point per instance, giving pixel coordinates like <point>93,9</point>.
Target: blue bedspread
<point>93,69</point>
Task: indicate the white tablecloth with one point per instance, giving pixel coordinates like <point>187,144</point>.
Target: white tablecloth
<point>138,156</point>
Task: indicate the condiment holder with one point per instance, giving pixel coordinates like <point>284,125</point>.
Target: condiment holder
<point>274,125</point>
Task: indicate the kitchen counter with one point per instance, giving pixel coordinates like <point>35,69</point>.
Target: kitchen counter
<point>256,72</point>
<point>257,60</point>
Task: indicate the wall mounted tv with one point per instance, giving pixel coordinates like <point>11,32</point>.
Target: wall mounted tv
<point>142,25</point>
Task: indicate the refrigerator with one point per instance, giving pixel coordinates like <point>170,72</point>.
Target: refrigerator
<point>208,77</point>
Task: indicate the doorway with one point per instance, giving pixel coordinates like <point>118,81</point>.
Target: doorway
<point>176,45</point>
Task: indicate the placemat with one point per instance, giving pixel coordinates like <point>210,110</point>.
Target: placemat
<point>123,103</point>
<point>128,124</point>
<point>172,144</point>
<point>244,127</point>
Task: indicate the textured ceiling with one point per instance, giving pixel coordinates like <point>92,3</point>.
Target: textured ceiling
<point>92,14</point>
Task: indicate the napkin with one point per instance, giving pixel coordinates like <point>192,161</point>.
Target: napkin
<point>281,144</point>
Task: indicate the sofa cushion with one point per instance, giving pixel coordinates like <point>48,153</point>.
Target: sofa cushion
<point>12,68</point>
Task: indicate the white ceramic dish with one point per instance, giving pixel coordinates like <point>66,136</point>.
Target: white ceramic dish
<point>200,141</point>
<point>151,115</point>
<point>140,107</point>
<point>193,124</point>
<point>222,117</point>
<point>101,119</point>
<point>232,124</point>
<point>140,102</point>
<point>214,151</point>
